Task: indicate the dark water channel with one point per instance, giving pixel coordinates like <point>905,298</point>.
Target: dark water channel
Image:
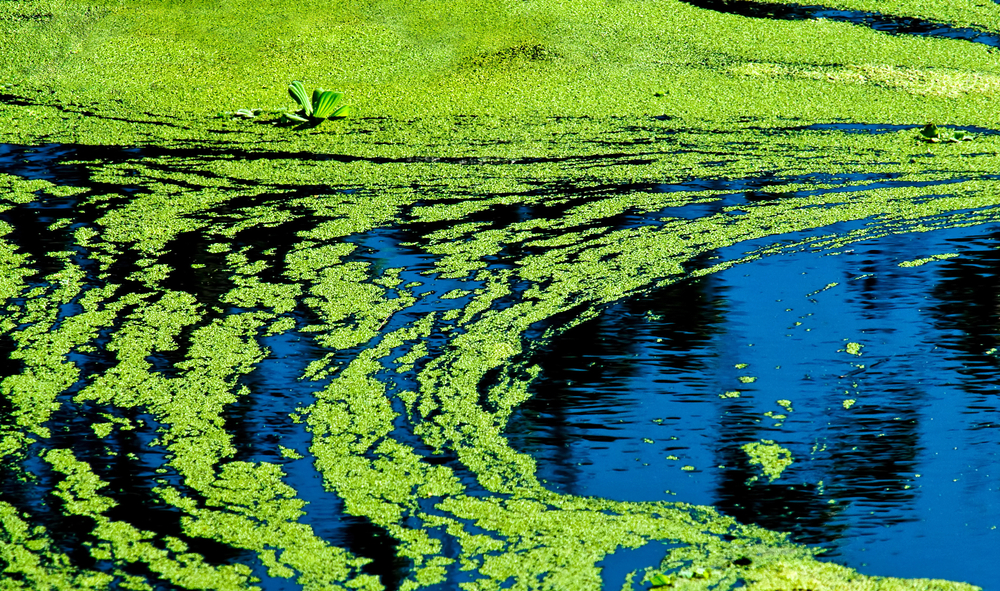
<point>877,21</point>
<point>905,482</point>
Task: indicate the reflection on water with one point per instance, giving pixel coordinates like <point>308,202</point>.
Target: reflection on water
<point>895,448</point>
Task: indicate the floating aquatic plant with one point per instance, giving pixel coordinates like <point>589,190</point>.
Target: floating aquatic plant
<point>239,114</point>
<point>670,581</point>
<point>322,105</point>
<point>931,133</point>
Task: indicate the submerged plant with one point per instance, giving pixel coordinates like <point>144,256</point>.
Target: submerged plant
<point>931,133</point>
<point>322,105</point>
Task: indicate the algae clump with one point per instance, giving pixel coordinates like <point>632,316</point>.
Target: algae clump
<point>771,457</point>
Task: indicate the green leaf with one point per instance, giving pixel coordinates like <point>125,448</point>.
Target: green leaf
<point>661,580</point>
<point>930,131</point>
<point>341,112</point>
<point>292,118</point>
<point>298,93</point>
<point>326,100</point>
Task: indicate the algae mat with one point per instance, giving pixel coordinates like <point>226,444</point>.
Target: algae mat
<point>209,320</point>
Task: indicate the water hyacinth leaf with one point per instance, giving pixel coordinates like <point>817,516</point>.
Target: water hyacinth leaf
<point>325,101</point>
<point>930,132</point>
<point>298,93</point>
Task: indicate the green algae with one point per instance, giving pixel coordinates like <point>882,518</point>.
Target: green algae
<point>765,561</point>
<point>122,542</point>
<point>371,50</point>
<point>541,541</point>
<point>853,348</point>
<point>34,562</point>
<point>930,259</point>
<point>771,457</point>
<point>447,169</point>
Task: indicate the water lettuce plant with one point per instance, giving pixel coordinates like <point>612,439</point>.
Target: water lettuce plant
<point>322,105</point>
<point>931,133</point>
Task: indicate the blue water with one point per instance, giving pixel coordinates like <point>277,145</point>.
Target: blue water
<point>906,482</point>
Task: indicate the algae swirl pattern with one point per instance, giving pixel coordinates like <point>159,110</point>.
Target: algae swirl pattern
<point>234,357</point>
<point>140,335</point>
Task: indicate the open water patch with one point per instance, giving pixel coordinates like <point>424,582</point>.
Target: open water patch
<point>881,128</point>
<point>868,363</point>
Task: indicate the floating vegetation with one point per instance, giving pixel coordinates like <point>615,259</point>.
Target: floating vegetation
<point>322,105</point>
<point>931,133</point>
<point>771,457</point>
<point>930,259</point>
<point>155,322</point>
<point>237,358</point>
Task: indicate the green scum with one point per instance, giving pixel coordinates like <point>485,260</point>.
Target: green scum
<point>494,146</point>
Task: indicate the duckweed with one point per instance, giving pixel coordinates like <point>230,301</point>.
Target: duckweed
<point>771,457</point>
<point>419,255</point>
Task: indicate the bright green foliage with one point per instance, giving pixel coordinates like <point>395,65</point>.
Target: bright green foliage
<point>322,106</point>
<point>298,93</point>
<point>325,102</point>
<point>403,377</point>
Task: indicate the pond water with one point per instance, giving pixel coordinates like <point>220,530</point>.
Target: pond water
<point>272,366</point>
<point>884,23</point>
<point>641,404</point>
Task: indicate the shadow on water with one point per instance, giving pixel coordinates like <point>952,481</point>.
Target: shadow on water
<point>883,23</point>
